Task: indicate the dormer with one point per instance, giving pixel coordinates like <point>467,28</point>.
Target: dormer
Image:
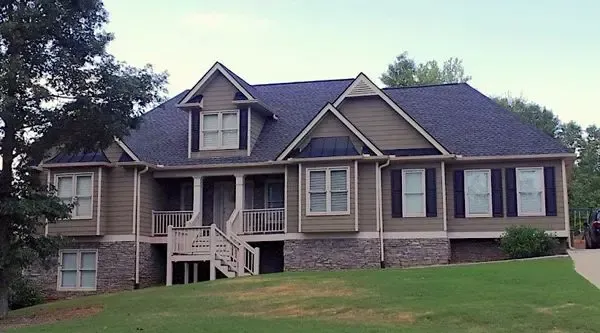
<point>225,115</point>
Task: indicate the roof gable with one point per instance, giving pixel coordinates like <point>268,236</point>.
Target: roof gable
<point>363,86</point>
<point>242,86</point>
<point>311,125</point>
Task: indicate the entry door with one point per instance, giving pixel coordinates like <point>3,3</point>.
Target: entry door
<point>223,203</point>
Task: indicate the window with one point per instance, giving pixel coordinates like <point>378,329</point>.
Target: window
<point>413,194</point>
<point>220,130</point>
<point>274,194</point>
<point>77,270</point>
<point>478,193</point>
<point>530,192</point>
<point>328,191</point>
<point>76,189</point>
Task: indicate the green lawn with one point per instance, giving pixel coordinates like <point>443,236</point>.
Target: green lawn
<point>528,296</point>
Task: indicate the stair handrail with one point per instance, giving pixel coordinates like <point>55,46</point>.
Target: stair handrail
<point>242,247</point>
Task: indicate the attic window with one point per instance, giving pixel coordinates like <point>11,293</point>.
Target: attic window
<point>220,130</point>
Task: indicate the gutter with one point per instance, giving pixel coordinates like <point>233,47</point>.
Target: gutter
<point>379,199</point>
<point>137,229</point>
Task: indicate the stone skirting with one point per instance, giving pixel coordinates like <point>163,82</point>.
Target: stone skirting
<point>478,250</point>
<point>332,253</point>
<point>416,252</point>
<point>115,269</point>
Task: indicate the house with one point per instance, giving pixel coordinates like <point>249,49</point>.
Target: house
<point>231,179</point>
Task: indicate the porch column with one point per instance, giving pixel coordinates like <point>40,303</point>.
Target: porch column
<point>239,199</point>
<point>198,189</point>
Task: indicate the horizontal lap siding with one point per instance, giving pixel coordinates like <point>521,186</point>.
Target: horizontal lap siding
<point>119,199</point>
<point>149,188</point>
<point>381,124</point>
<point>85,227</point>
<point>500,223</point>
<point>257,122</point>
<point>292,198</point>
<point>328,223</point>
<point>366,197</point>
<point>411,224</point>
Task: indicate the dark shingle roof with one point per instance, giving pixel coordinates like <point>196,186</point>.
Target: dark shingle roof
<point>459,117</point>
<point>96,156</point>
<point>329,146</point>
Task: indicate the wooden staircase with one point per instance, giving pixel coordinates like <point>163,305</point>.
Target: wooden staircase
<point>226,253</point>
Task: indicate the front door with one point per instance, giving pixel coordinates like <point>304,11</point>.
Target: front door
<point>223,203</point>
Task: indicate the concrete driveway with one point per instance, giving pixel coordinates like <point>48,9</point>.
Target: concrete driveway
<point>587,263</point>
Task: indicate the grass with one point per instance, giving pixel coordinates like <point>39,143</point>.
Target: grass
<point>528,296</point>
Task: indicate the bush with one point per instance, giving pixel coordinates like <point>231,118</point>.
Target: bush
<point>527,242</point>
<point>23,293</point>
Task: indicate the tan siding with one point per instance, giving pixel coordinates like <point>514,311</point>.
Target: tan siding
<point>292,198</point>
<point>149,196</point>
<point>257,122</point>
<point>366,197</point>
<point>496,223</point>
<point>328,223</point>
<point>219,153</point>
<point>410,224</point>
<point>85,227</point>
<point>113,152</point>
<point>120,201</point>
<point>381,124</point>
<point>218,94</point>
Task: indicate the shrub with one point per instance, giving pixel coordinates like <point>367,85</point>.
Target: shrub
<point>527,242</point>
<point>23,293</point>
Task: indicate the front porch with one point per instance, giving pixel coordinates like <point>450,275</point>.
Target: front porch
<point>237,204</point>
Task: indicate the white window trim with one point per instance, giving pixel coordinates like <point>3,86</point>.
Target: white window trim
<point>327,191</point>
<point>74,191</point>
<point>219,130</point>
<point>543,203</point>
<point>404,210</point>
<point>78,281</point>
<point>466,194</point>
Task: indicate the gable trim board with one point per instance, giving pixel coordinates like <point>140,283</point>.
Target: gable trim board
<point>363,81</point>
<point>126,149</point>
<point>216,67</point>
<point>316,120</point>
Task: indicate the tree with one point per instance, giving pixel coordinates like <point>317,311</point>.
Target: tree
<point>59,88</point>
<point>404,72</point>
<point>532,113</point>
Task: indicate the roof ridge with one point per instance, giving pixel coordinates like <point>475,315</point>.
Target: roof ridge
<point>297,82</point>
<point>426,85</point>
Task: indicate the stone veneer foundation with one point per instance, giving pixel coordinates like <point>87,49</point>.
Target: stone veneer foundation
<point>116,269</point>
<point>345,253</point>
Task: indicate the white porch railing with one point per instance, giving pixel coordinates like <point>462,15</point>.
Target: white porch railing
<point>263,221</point>
<point>161,220</point>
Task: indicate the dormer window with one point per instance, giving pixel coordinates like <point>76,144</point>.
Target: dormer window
<point>220,130</point>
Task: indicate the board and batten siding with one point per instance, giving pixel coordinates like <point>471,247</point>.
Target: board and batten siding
<point>411,224</point>
<point>483,224</point>
<point>78,227</point>
<point>381,124</point>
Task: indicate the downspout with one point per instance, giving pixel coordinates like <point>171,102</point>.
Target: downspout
<point>379,198</point>
<point>137,229</point>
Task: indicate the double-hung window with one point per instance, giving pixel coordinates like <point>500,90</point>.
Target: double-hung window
<point>478,193</point>
<point>77,270</point>
<point>413,185</point>
<point>76,189</point>
<point>328,191</point>
<point>530,192</point>
<point>220,130</point>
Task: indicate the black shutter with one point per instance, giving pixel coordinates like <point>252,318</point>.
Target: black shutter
<point>430,193</point>
<point>195,119</point>
<point>511,192</point>
<point>497,204</point>
<point>396,176</point>
<point>550,188</point>
<point>244,128</point>
<point>459,193</point>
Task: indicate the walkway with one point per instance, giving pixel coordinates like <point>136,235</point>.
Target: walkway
<point>587,263</point>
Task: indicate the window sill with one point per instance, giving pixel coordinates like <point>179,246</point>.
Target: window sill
<point>220,148</point>
<point>411,216</point>
<point>76,289</point>
<point>327,213</point>
<point>531,214</point>
<point>478,216</point>
<point>75,218</point>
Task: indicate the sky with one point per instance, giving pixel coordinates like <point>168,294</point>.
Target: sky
<point>546,51</point>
